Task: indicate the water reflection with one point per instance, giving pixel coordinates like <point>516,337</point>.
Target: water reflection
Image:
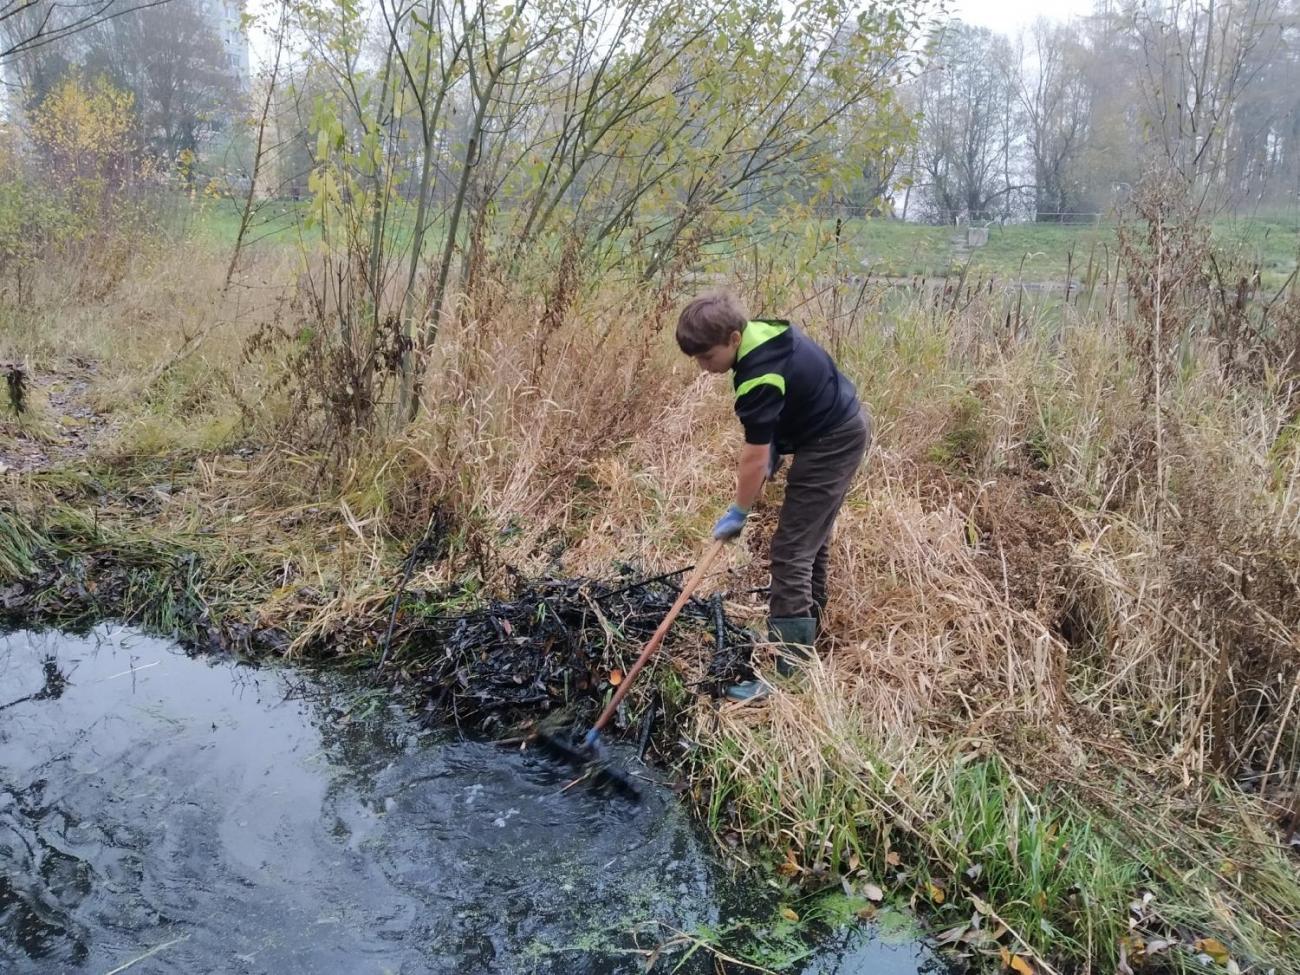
<point>241,820</point>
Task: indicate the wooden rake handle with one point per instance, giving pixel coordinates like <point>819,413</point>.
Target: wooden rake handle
<point>688,590</point>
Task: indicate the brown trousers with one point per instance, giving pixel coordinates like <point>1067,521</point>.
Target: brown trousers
<point>815,488</point>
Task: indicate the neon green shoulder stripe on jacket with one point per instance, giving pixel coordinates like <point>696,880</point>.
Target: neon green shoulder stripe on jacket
<point>768,379</point>
<point>755,334</point>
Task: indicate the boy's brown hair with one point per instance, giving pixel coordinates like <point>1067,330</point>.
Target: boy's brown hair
<point>709,320</point>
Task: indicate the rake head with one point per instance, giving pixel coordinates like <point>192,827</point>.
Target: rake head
<point>587,755</point>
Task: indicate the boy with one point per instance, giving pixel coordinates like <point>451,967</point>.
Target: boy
<point>790,399</point>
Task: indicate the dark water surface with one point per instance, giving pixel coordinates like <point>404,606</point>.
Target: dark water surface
<point>231,819</point>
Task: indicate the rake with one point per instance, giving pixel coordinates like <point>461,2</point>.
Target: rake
<point>588,752</point>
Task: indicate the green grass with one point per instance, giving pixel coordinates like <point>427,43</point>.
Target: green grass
<point>894,249</point>
<point>1041,871</point>
<point>1271,241</point>
<point>216,222</point>
<point>1052,877</point>
<point>1040,253</point>
<point>1028,252</point>
<point>1033,253</point>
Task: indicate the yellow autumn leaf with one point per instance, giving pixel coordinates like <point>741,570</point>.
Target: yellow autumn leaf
<point>1215,948</point>
<point>789,914</point>
<point>1021,964</point>
<point>936,893</point>
<point>789,867</point>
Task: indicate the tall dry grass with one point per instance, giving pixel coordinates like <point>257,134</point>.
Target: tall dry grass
<point>1056,685</point>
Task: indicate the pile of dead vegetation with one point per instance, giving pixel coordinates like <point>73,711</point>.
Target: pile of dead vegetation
<point>557,642</point>
<point>481,660</point>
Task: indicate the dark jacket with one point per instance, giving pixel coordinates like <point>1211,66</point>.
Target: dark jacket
<point>788,390</point>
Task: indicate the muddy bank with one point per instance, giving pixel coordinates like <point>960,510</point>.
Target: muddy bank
<point>552,643</point>
<point>50,417</point>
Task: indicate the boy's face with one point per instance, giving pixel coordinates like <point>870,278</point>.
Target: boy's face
<point>722,357</point>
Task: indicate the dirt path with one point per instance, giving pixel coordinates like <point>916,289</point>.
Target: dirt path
<point>59,424</point>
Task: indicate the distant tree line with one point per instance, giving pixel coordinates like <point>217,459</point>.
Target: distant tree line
<point>168,56</point>
<point>1056,124</point>
<point>29,25</point>
<point>1059,123</point>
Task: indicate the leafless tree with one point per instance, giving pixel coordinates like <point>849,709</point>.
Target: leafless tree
<point>262,148</point>
<point>27,25</point>
<point>1056,101</point>
<point>175,64</point>
<point>968,134</point>
<point>1198,58</point>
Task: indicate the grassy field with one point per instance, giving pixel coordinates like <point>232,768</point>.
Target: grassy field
<point>1040,254</point>
<point>1046,253</point>
<point>1029,252</point>
<point>214,223</point>
<point>1271,242</point>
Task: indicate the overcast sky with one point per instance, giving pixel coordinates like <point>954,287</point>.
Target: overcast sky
<point>1003,16</point>
<point>1008,16</point>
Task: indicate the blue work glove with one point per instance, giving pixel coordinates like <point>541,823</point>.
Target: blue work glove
<point>731,524</point>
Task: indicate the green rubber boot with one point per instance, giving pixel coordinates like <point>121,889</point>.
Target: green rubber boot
<point>748,690</point>
<point>794,636</point>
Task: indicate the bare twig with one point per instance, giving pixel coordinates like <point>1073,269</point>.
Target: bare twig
<point>148,954</point>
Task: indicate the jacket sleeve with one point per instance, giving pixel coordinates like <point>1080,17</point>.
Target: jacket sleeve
<point>758,408</point>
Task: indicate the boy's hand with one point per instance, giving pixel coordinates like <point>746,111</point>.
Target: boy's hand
<point>731,524</point>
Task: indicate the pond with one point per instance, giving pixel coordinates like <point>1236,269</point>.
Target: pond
<point>167,813</point>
